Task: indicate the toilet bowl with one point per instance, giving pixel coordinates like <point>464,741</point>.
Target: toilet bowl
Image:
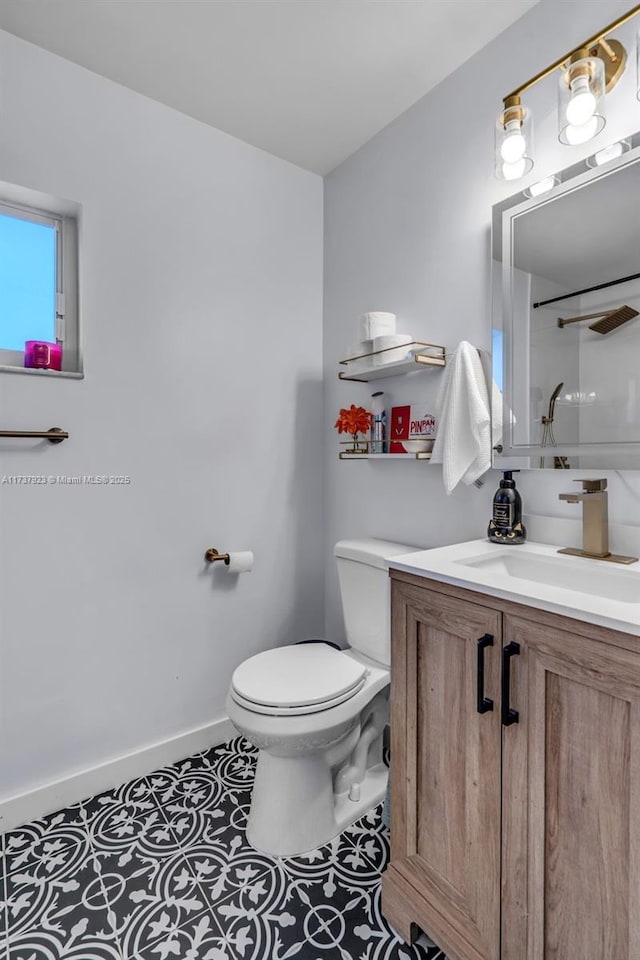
<point>317,715</point>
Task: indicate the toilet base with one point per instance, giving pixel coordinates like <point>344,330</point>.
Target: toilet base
<point>303,812</point>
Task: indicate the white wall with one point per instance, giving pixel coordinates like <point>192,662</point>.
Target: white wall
<point>201,273</point>
<point>407,228</point>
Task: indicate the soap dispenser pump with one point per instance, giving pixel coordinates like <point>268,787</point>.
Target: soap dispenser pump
<point>506,524</point>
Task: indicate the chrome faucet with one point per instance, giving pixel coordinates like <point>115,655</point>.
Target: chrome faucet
<point>595,522</point>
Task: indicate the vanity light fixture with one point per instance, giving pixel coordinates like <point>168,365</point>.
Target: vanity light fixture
<point>587,74</point>
<point>611,152</point>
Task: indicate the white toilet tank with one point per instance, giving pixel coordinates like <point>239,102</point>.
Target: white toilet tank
<point>365,592</point>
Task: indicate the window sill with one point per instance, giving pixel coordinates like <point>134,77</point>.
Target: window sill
<point>49,374</point>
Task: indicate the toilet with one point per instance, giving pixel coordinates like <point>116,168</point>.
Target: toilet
<point>317,715</point>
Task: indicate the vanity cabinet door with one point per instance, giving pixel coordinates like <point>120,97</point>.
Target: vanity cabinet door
<point>444,874</point>
<point>571,799</point>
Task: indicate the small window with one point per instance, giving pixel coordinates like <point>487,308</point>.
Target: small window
<point>38,280</point>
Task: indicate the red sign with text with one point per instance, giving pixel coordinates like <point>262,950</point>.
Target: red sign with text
<point>410,422</point>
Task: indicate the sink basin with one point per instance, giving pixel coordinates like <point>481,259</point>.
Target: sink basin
<point>533,574</point>
<point>612,584</point>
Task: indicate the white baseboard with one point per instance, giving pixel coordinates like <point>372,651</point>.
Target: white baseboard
<point>19,809</point>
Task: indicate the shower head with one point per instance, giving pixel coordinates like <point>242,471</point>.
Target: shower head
<point>615,318</point>
<point>552,404</point>
<point>605,321</point>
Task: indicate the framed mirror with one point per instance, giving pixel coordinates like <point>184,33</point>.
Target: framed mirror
<point>566,320</point>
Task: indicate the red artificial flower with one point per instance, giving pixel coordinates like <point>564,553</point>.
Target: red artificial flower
<point>354,420</point>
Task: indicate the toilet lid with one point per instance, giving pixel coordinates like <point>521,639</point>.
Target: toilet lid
<point>302,675</point>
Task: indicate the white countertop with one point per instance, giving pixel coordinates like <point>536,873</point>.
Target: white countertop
<point>534,574</point>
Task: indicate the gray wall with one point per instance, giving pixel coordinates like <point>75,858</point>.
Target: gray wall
<point>407,222</point>
<point>201,287</point>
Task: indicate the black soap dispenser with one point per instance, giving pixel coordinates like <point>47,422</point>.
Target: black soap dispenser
<point>506,524</point>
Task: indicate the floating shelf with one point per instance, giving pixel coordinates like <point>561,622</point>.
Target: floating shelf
<point>413,356</point>
<point>384,456</point>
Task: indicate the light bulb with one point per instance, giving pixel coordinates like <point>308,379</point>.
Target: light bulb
<point>542,186</point>
<point>513,141</point>
<point>513,171</point>
<point>608,153</point>
<point>576,134</point>
<point>582,105</point>
<point>514,145</point>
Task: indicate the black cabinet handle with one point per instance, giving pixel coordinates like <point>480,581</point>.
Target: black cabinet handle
<point>509,715</point>
<point>484,703</point>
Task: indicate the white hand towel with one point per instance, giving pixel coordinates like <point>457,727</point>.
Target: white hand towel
<point>463,442</point>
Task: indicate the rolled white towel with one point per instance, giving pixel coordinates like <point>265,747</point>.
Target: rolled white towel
<point>463,441</point>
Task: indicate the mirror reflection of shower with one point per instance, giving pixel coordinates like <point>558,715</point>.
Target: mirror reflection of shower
<point>567,302</point>
<point>548,439</point>
<point>607,321</point>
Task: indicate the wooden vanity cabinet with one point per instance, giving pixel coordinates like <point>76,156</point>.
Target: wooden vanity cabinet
<point>515,779</point>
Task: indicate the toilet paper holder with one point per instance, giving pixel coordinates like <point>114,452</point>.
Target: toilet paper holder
<point>212,555</point>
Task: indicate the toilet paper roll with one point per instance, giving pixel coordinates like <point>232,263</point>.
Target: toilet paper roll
<point>399,340</point>
<point>240,562</point>
<point>359,349</point>
<point>377,324</point>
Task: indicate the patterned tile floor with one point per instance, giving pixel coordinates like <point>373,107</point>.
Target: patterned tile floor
<point>160,868</point>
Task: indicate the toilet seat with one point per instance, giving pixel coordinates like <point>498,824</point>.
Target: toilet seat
<point>299,679</point>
